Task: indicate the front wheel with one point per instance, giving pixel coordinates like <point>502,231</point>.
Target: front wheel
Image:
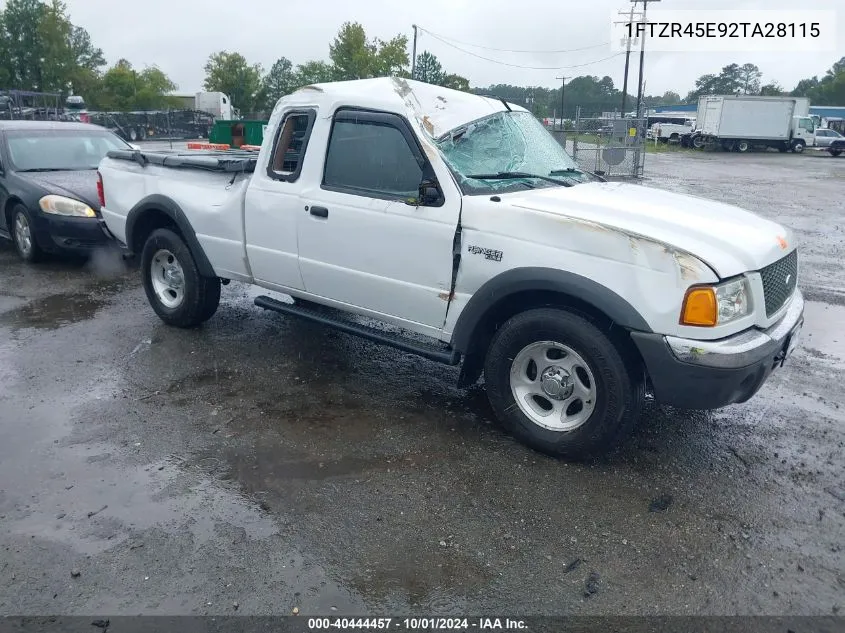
<point>23,235</point>
<point>835,152</point>
<point>560,385</point>
<point>743,147</point>
<point>175,289</point>
<point>798,147</point>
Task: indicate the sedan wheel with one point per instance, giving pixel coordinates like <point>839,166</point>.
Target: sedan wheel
<point>24,236</point>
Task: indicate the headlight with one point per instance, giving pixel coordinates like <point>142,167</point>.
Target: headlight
<point>59,205</point>
<point>707,306</point>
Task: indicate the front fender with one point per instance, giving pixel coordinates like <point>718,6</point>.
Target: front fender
<point>527,279</point>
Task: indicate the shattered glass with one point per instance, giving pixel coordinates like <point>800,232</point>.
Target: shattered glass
<point>507,142</point>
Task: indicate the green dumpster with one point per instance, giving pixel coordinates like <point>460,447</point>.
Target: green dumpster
<point>237,133</point>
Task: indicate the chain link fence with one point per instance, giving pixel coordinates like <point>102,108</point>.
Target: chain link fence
<point>611,147</point>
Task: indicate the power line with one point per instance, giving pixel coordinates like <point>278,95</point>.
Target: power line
<point>496,61</point>
<point>514,50</point>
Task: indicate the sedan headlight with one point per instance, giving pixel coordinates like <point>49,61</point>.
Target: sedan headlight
<point>59,205</point>
<point>708,306</point>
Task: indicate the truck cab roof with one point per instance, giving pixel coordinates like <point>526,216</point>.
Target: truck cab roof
<point>438,110</point>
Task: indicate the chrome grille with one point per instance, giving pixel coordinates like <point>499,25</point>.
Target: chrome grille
<point>779,280</point>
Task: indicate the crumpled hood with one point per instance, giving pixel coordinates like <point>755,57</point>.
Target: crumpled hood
<point>729,239</point>
<point>79,185</point>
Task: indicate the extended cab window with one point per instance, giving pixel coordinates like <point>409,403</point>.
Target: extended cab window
<point>371,158</point>
<point>290,145</point>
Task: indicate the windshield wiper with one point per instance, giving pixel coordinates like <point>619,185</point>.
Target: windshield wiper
<point>517,175</point>
<point>565,170</point>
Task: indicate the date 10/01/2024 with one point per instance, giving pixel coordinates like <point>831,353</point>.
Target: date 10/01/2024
<point>417,624</point>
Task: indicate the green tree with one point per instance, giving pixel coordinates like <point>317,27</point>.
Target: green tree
<point>428,69</point>
<point>279,81</point>
<point>456,82</point>
<point>829,90</point>
<point>313,72</point>
<point>670,98</point>
<point>391,58</point>
<point>22,19</point>
<point>805,87</point>
<point>231,74</point>
<point>351,53</point>
<point>750,79</point>
<point>772,89</point>
<point>40,49</point>
<point>124,89</point>
<point>355,57</point>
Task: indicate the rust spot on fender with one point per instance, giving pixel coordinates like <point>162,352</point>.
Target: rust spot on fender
<point>446,296</point>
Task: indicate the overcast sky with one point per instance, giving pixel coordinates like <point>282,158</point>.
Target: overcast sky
<point>178,35</point>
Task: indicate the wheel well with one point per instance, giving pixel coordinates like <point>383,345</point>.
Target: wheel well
<point>11,203</point>
<point>151,220</point>
<point>518,302</point>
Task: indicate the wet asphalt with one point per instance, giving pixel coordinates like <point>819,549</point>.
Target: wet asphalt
<point>260,463</point>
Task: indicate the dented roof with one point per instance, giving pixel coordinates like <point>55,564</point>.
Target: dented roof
<point>437,110</point>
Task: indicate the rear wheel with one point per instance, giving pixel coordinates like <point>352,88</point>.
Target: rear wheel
<point>743,146</point>
<point>23,235</point>
<point>697,142</point>
<point>559,385</point>
<point>835,152</point>
<point>175,289</point>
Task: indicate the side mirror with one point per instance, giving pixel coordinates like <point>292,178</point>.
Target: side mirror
<point>429,193</point>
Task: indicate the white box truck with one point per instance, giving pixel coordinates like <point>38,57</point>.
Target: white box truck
<point>742,123</point>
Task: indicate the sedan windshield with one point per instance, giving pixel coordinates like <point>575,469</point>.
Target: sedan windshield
<point>508,151</point>
<point>60,150</point>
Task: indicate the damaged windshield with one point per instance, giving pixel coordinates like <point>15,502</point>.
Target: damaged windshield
<point>508,151</point>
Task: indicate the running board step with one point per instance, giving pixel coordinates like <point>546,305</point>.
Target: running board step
<point>439,353</point>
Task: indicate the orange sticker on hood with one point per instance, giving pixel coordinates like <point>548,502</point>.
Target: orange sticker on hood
<point>782,242</point>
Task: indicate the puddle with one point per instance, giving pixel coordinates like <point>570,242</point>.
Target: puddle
<point>53,312</point>
<point>823,336</point>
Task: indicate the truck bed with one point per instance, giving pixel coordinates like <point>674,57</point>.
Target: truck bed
<point>208,160</point>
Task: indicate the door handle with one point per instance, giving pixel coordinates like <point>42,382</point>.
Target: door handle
<point>320,212</point>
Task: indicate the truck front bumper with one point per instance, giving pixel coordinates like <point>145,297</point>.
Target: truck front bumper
<point>692,374</point>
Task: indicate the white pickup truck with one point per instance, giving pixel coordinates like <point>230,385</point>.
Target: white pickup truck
<point>460,219</point>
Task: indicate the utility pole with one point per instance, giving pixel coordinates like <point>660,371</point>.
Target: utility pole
<point>562,88</point>
<point>627,64</point>
<point>414,58</point>
<point>642,55</point>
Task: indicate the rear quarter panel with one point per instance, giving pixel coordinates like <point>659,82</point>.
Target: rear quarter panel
<point>212,202</point>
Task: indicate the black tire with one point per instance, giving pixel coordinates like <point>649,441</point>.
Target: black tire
<point>697,142</point>
<point>798,146</point>
<point>619,387</point>
<point>201,295</point>
<point>33,253</point>
<point>835,152</point>
<point>743,147</point>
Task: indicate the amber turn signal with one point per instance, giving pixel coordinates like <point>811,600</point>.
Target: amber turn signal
<point>699,307</point>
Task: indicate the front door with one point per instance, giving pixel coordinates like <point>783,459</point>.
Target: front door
<point>366,241</point>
